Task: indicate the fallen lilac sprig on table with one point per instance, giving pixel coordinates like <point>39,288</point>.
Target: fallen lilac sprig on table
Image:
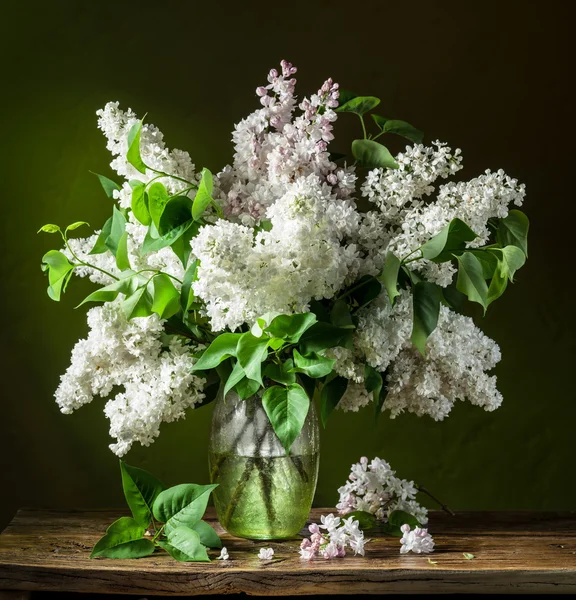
<point>339,534</point>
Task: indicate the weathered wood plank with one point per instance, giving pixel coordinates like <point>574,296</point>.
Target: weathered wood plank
<point>515,553</point>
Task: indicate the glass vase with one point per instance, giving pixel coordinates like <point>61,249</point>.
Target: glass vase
<point>263,493</point>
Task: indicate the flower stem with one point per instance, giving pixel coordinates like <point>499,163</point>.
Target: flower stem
<point>84,263</point>
<point>441,504</point>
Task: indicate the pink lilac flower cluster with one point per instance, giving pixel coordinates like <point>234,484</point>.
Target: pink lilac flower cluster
<point>339,534</point>
<point>418,540</point>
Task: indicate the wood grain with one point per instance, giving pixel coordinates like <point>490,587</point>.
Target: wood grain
<point>48,550</point>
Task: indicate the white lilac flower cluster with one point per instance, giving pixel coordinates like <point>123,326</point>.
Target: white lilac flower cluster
<point>373,487</point>
<point>292,233</point>
<point>156,375</point>
<point>339,534</point>
<point>418,540</point>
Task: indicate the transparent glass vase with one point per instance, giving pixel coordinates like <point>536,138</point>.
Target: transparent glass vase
<point>263,493</point>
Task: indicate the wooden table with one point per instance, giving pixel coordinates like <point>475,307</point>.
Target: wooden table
<point>48,550</point>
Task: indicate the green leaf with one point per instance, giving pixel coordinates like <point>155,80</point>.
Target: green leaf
<point>49,228</point>
<point>359,105</point>
<point>59,271</point>
<point>153,244</point>
<point>157,200</point>
<point>187,295</point>
<point>119,538</point>
<point>512,259</point>
<point>291,327</point>
<point>513,230</point>
<point>117,229</point>
<point>223,347</point>
<point>138,304</point>
<point>454,298</point>
<point>208,537</point>
<point>426,303</point>
<point>184,545</point>
<point>127,286</point>
<point>203,196</point>
<point>139,204</point>
<point>108,185</point>
<point>404,129</point>
<point>246,388</point>
<point>373,382</point>
<point>488,261</point>
<point>498,283</point>
<point>312,364</point>
<point>176,212</point>
<point>371,155</point>
<point>471,279</point>
<point>389,276</point>
<point>452,238</point>
<point>380,121</point>
<point>287,408</point>
<point>140,490</point>
<point>468,556</point>
<point>276,343</point>
<point>100,246</point>
<point>322,335</point>
<point>330,396</point>
<point>235,377</point>
<point>368,288</point>
<point>133,155</point>
<point>345,95</point>
<point>75,225</point>
<point>166,297</point>
<point>401,517</point>
<point>366,520</point>
<point>282,373</point>
<point>122,260</point>
<point>182,505</point>
<point>340,315</point>
<point>251,353</point>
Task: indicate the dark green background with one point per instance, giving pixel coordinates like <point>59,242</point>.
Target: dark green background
<point>492,79</point>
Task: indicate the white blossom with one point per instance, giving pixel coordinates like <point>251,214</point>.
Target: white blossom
<point>418,541</point>
<point>266,554</point>
<point>223,554</point>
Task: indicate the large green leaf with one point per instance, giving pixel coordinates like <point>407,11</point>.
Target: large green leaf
<point>512,258</point>
<point>223,347</point>
<point>404,129</point>
<point>184,545</point>
<point>203,196</point>
<point>324,335</point>
<point>499,282</point>
<point>182,505</point>
<point>139,204</point>
<point>426,303</point>
<point>139,304</point>
<point>108,185</point>
<point>371,155</point>
<point>140,490</point>
<point>251,352</point>
<point>366,520</point>
<point>186,292</point>
<point>153,244</point>
<point>282,373</point>
<point>133,155</point>
<point>389,276</point>
<point>157,200</point>
<point>166,297</point>
<point>487,259</point>
<point>340,315</point>
<point>330,396</point>
<point>513,230</point>
<point>246,388</point>
<point>123,539</point>
<point>452,238</point>
<point>122,259</point>
<point>291,327</point>
<point>287,408</point>
<point>176,212</point>
<point>59,271</point>
<point>208,537</point>
<point>358,105</point>
<point>471,279</point>
<point>235,377</point>
<point>127,286</point>
<point>312,364</point>
<point>100,246</point>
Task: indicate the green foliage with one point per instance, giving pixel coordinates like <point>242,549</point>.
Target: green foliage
<point>108,185</point>
<point>59,272</point>
<point>396,519</point>
<point>513,230</point>
<point>358,105</point>
<point>186,293</point>
<point>399,128</point>
<point>251,353</point>
<point>283,373</point>
<point>451,239</point>
<point>203,196</point>
<point>312,364</point>
<point>371,155</point>
<point>166,302</point>
<point>321,336</point>
<point>426,302</point>
<point>117,229</point>
<point>154,242</point>
<point>389,276</point>
<point>157,199</point>
<point>287,408</point>
<point>49,228</point>
<point>330,396</point>
<point>127,286</point>
<point>100,246</point>
<point>139,304</point>
<point>291,328</point>
<point>471,280</point>
<point>139,204</point>
<point>74,226</point>
<point>223,347</point>
<point>179,510</point>
<point>122,260</point>
<point>133,155</point>
<point>373,382</point>
<point>340,315</point>
<point>366,520</point>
